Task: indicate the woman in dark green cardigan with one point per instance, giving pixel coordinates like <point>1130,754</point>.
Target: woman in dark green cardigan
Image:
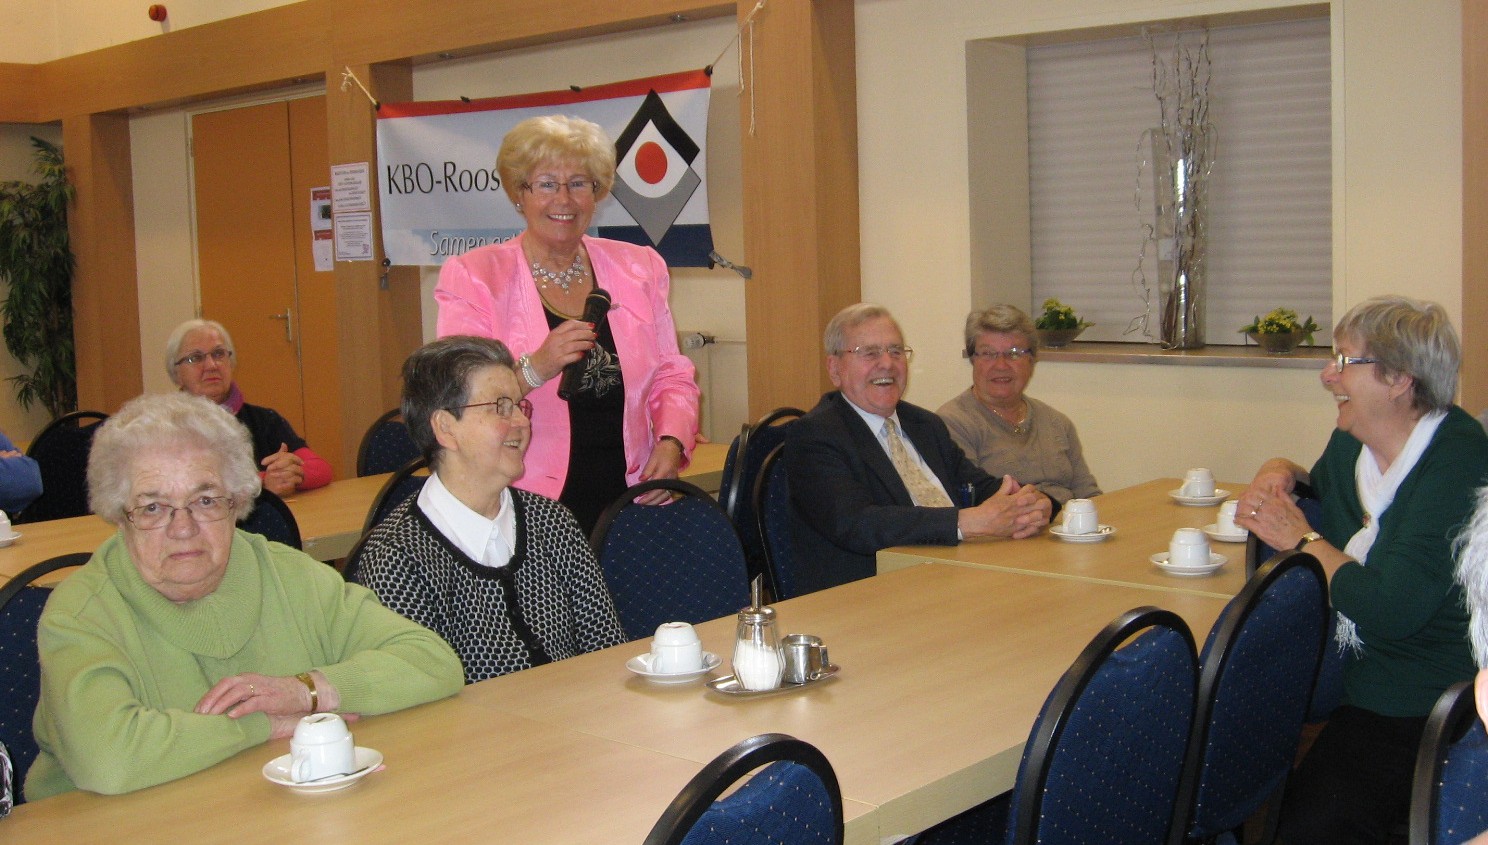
<point>1396,482</point>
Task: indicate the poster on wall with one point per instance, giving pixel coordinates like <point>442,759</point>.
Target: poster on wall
<point>441,195</point>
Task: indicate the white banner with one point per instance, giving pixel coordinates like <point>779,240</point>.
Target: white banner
<point>441,194</point>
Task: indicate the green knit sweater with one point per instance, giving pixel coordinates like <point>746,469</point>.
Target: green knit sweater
<point>123,667</point>
<point>1409,609</point>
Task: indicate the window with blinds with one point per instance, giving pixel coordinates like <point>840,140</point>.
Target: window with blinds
<point>1270,217</point>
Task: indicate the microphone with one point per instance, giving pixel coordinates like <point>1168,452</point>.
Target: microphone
<point>596,305</point>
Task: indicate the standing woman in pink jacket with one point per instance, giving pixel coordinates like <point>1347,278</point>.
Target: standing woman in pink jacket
<point>634,416</point>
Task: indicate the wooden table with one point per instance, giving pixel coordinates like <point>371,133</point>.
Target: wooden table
<point>1144,518</point>
<point>330,518</point>
<point>944,669</point>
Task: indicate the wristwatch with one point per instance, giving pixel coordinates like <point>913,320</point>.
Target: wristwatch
<point>1306,538</point>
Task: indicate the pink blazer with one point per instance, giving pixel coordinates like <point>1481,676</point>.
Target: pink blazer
<point>489,292</point>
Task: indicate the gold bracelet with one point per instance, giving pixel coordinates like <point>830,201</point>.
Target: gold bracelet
<point>309,682</point>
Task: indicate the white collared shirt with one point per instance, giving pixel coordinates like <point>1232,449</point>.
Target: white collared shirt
<point>489,542</point>
<point>879,426</point>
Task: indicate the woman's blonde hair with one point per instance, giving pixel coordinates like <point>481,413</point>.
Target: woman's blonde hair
<point>555,138</point>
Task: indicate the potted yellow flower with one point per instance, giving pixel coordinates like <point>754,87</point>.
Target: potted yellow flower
<point>1058,325</point>
<point>1279,332</point>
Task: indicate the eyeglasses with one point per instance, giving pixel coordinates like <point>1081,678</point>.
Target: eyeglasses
<point>1013,354</point>
<point>219,355</point>
<point>203,509</point>
<point>873,353</point>
<point>503,406</point>
<point>576,187</point>
<point>1340,360</point>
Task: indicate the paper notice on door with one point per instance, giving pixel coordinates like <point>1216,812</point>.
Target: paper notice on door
<point>351,187</point>
<point>354,236</point>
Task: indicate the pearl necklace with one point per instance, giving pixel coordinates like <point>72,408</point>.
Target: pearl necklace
<point>565,279</point>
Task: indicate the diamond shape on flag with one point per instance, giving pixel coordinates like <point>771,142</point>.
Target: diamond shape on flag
<point>654,178</point>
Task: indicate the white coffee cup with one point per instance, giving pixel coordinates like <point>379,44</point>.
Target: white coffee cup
<point>1079,517</point>
<point>321,747</point>
<point>1189,547</point>
<point>1225,522</point>
<point>676,648</point>
<point>5,529</point>
<point>1198,482</point>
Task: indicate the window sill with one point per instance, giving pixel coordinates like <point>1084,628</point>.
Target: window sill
<point>1097,352</point>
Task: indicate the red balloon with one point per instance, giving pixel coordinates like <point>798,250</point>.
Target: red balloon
<point>157,13</point>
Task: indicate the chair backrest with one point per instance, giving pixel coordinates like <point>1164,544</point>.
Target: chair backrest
<point>1449,795</point>
<point>61,452</point>
<point>772,512</point>
<point>1258,669</point>
<point>272,518</point>
<point>795,800</point>
<point>679,562</point>
<point>728,490</point>
<point>755,443</point>
<point>386,447</point>
<point>351,565</point>
<point>1328,692</point>
<point>1104,760</point>
<point>21,604</point>
<point>407,481</point>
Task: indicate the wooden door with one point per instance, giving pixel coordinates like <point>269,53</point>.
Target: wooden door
<point>254,168</point>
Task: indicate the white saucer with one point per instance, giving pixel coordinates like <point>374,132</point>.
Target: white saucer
<point>641,665</point>
<point>5,541</point>
<point>367,761</point>
<point>1216,560</point>
<point>1198,501</point>
<point>1212,529</point>
<point>1101,532</point>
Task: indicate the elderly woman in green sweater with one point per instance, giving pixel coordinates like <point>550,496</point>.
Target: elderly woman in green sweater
<point>184,640</point>
<point>1396,484</point>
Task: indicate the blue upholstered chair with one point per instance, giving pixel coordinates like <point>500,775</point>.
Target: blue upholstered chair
<point>1105,757</point>
<point>61,452</point>
<point>21,603</point>
<point>795,800</point>
<point>772,511</point>
<point>1258,669</point>
<point>756,441</point>
<point>1104,761</point>
<point>407,481</point>
<point>679,562</point>
<point>386,447</point>
<point>1449,796</point>
<point>1328,691</point>
<point>272,518</point>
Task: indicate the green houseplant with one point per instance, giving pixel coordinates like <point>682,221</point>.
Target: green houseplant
<point>1058,325</point>
<point>36,260</point>
<point>1279,332</point>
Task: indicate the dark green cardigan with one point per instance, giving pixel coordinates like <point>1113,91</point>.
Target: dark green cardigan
<point>1405,601</point>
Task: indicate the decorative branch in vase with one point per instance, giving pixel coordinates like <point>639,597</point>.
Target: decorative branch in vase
<point>1180,155</point>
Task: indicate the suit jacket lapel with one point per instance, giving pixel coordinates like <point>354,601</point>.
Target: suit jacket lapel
<point>920,433</point>
<point>866,441</point>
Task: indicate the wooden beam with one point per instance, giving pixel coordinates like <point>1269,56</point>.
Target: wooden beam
<point>105,299</point>
<point>19,86</point>
<point>800,166</point>
<point>1474,388</point>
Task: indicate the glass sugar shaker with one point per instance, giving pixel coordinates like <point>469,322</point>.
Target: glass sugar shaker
<point>758,661</point>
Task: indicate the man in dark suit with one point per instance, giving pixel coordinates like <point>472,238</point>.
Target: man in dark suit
<point>868,470</point>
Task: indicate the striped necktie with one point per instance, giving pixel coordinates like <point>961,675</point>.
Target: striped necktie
<point>924,492</point>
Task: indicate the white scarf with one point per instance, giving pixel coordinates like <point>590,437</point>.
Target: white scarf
<point>1376,492</point>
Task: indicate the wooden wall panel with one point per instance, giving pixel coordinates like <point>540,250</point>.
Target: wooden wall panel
<point>1474,205</point>
<point>105,299</point>
<point>800,169</point>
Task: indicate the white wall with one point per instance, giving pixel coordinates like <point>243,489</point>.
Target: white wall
<point>42,30</point>
<point>1397,212</point>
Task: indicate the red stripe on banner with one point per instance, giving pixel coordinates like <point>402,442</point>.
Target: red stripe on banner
<point>682,81</point>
